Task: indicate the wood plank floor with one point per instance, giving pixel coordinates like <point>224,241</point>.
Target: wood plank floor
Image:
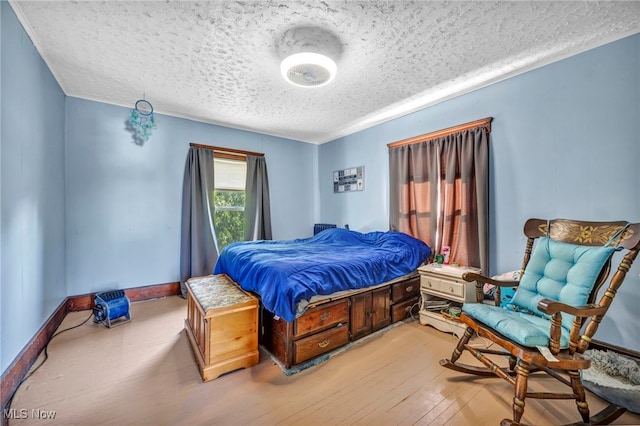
<point>144,373</point>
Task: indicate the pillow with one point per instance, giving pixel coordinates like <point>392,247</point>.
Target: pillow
<point>508,276</point>
<point>506,293</point>
<point>562,272</point>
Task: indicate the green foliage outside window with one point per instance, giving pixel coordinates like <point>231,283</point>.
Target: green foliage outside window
<point>228,219</point>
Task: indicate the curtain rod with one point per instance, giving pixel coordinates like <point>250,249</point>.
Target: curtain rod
<point>485,122</point>
<point>227,150</point>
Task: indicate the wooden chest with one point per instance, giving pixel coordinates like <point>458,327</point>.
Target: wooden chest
<point>222,325</point>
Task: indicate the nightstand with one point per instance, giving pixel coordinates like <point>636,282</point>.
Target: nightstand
<point>444,282</point>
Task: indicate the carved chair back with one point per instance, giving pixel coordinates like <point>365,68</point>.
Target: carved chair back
<point>619,234</point>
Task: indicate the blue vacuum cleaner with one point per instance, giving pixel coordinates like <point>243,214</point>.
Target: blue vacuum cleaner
<point>111,308</point>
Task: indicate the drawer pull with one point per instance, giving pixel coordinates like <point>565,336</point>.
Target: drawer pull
<point>409,288</point>
<point>324,316</point>
<point>324,343</point>
<point>450,289</point>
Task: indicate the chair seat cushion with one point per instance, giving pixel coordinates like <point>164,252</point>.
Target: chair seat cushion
<point>520,327</point>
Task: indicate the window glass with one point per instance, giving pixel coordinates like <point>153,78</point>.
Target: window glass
<point>229,200</point>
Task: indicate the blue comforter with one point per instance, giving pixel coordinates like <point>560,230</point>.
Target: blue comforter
<point>285,272</point>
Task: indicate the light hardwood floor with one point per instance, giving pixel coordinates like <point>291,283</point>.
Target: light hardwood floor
<point>144,373</point>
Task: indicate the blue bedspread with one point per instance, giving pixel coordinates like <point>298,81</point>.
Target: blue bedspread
<point>285,272</point>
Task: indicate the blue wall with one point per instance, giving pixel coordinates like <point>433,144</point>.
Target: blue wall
<point>123,200</point>
<point>32,194</point>
<point>565,142</point>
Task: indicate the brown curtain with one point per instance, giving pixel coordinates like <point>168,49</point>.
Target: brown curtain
<point>439,193</point>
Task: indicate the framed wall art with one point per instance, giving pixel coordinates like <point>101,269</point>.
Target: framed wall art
<point>347,180</point>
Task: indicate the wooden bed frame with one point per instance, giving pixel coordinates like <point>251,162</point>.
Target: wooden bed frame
<point>335,321</point>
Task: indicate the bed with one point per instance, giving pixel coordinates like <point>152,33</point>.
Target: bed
<point>325,291</point>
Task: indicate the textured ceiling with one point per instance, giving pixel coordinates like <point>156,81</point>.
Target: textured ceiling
<point>218,61</point>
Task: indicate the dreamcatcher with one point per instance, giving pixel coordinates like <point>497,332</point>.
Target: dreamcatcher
<point>142,120</point>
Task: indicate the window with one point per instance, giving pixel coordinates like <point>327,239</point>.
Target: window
<point>229,198</point>
<point>439,190</point>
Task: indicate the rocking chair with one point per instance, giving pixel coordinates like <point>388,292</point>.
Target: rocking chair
<point>554,315</point>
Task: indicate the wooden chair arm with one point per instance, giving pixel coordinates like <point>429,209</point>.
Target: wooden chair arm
<point>555,309</point>
<point>472,276</point>
<point>551,307</point>
<point>481,279</point>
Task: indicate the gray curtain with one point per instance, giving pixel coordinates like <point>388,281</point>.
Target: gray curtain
<point>198,248</point>
<point>451,171</point>
<point>257,206</point>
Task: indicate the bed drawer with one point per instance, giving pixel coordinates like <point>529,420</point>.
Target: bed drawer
<point>402,310</point>
<point>405,290</point>
<point>322,317</point>
<point>320,343</point>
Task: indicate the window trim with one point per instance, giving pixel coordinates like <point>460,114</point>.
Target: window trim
<point>229,153</point>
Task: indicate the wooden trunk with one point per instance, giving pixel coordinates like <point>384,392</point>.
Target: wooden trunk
<point>222,325</point>
<point>333,323</point>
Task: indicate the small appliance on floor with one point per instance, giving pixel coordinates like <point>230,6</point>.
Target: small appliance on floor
<point>111,308</point>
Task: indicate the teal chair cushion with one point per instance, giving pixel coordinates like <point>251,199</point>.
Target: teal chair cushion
<point>562,272</point>
<point>559,271</point>
<point>520,327</point>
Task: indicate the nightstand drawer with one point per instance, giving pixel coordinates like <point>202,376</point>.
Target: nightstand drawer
<point>453,288</point>
<point>430,283</point>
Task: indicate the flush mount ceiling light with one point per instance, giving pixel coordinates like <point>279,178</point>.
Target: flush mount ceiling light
<point>308,69</point>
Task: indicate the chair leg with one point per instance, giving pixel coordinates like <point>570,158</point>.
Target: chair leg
<point>461,343</point>
<point>522,375</point>
<point>581,399</point>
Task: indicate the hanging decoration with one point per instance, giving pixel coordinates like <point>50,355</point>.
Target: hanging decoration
<point>142,120</point>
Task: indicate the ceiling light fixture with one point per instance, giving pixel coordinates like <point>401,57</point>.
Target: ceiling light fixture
<point>308,69</point>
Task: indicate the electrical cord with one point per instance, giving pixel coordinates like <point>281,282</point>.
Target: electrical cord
<point>413,307</point>
<point>5,419</point>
